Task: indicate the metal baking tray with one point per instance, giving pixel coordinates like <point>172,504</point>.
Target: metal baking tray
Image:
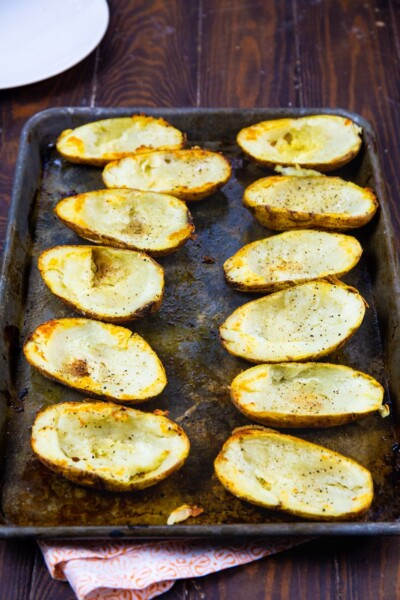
<point>184,333</point>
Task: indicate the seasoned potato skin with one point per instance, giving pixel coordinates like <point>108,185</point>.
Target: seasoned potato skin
<point>101,161</point>
<point>147,309</point>
<point>307,355</point>
<point>48,328</point>
<point>253,431</point>
<point>186,193</point>
<point>280,219</point>
<point>99,238</point>
<point>324,167</point>
<point>93,480</point>
<point>284,420</point>
<point>250,285</point>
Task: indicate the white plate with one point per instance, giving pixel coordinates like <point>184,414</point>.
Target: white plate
<point>41,38</point>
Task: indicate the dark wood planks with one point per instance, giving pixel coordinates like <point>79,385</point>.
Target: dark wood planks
<point>16,567</point>
<point>247,56</point>
<point>43,586</point>
<point>149,55</point>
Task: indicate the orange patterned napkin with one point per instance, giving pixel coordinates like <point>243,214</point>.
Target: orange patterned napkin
<point>130,571</point>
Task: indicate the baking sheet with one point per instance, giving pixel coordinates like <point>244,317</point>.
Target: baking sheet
<point>184,333</point>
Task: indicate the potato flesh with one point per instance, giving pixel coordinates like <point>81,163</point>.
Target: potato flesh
<point>118,137</point>
<point>170,172</point>
<point>144,220</point>
<point>309,389</point>
<point>105,282</point>
<point>123,446</point>
<point>294,256</point>
<point>281,471</point>
<point>99,358</point>
<point>304,141</point>
<point>131,454</point>
<point>324,195</point>
<point>304,321</point>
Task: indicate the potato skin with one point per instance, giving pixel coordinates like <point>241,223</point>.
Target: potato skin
<point>88,387</point>
<point>186,193</point>
<point>146,309</point>
<point>254,432</point>
<point>252,285</point>
<point>276,419</point>
<point>100,161</point>
<point>280,219</point>
<point>321,167</point>
<point>95,481</point>
<point>299,357</point>
<point>288,124</point>
<point>284,421</point>
<point>108,240</point>
<point>89,479</point>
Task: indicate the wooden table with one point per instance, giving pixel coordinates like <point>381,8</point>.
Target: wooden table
<point>235,53</point>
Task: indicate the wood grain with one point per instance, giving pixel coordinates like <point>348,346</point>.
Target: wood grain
<point>149,55</point>
<point>16,569</point>
<point>43,586</point>
<point>247,54</point>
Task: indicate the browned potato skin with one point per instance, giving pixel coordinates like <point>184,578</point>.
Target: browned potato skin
<point>307,357</point>
<point>95,481</point>
<point>296,421</point>
<point>275,287</point>
<point>100,162</point>
<point>321,167</point>
<point>251,430</point>
<point>279,219</point>
<point>283,220</point>
<point>92,236</point>
<point>324,167</point>
<point>195,194</point>
<point>290,358</point>
<point>148,309</point>
<point>91,393</point>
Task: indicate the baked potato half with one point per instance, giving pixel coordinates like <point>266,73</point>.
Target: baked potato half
<point>294,202</point>
<point>321,142</point>
<point>292,257</point>
<point>100,142</point>
<point>104,283</point>
<point>305,394</point>
<point>303,322</point>
<point>97,358</point>
<point>154,223</point>
<point>286,473</point>
<point>106,446</point>
<point>187,174</point>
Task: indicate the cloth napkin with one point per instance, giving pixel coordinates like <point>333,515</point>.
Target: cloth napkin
<point>140,571</point>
